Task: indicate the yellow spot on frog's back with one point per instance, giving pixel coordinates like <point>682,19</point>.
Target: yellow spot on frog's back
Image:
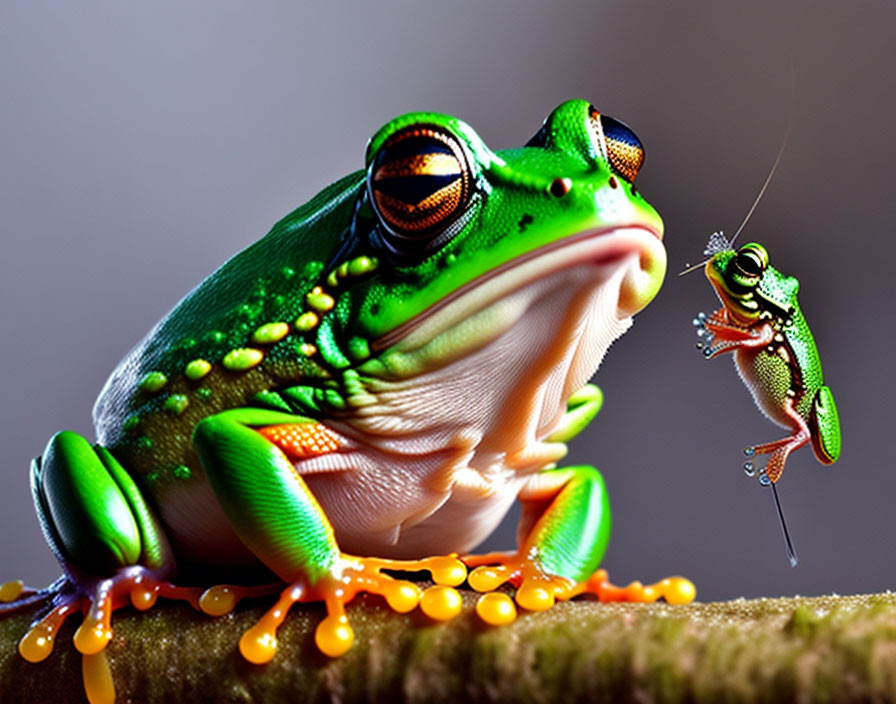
<point>176,404</point>
<point>11,590</point>
<point>307,349</point>
<point>197,369</point>
<point>307,321</point>
<point>153,381</point>
<point>242,359</point>
<point>362,265</point>
<point>270,333</point>
<point>318,300</point>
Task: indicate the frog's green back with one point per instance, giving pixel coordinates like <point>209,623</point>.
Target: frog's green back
<point>264,282</point>
<point>269,277</point>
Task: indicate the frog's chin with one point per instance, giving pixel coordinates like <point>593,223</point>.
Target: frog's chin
<point>633,257</point>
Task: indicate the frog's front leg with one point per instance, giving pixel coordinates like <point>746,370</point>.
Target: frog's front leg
<point>563,533</point>
<point>562,537</point>
<point>719,334</point>
<point>247,455</point>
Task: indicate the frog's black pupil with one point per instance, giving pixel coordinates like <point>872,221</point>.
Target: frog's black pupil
<point>747,263</point>
<point>419,182</point>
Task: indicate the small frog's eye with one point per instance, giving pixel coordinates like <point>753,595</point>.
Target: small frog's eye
<point>623,148</point>
<point>751,260</point>
<point>419,183</point>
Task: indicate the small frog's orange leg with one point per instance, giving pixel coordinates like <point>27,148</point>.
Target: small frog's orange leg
<point>779,450</point>
<point>562,537</point>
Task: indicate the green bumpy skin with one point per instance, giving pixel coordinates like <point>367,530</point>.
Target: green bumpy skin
<point>380,375</point>
<point>762,323</point>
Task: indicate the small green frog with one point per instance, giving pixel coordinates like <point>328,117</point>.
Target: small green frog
<point>372,383</point>
<point>761,322</point>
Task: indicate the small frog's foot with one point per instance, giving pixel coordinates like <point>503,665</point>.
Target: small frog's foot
<point>537,590</point>
<point>351,575</point>
<point>778,451</point>
<point>717,334</point>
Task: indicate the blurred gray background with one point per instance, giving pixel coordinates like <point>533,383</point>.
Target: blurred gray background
<point>143,144</point>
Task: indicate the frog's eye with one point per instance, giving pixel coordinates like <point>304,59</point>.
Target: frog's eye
<point>623,148</point>
<point>751,260</point>
<point>419,183</point>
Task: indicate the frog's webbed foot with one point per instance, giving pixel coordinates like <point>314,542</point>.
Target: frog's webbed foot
<point>348,576</point>
<point>135,585</point>
<point>562,537</point>
<point>718,334</point>
<point>537,590</point>
<point>97,600</point>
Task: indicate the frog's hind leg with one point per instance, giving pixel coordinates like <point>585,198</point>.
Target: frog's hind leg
<point>826,425</point>
<point>109,544</point>
<point>247,455</point>
<point>563,533</point>
<point>779,450</point>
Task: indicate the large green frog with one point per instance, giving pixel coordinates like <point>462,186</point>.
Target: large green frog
<point>372,383</point>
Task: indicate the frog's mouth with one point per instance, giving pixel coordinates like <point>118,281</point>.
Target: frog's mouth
<point>637,249</point>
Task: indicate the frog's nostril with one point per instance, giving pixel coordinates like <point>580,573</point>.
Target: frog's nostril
<point>560,187</point>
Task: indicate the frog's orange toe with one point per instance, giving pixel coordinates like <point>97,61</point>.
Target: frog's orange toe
<point>674,590</point>
<point>334,635</point>
<point>538,591</point>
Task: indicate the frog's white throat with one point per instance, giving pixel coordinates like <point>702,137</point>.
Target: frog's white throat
<point>472,396</point>
<point>501,360</point>
<point>500,378</point>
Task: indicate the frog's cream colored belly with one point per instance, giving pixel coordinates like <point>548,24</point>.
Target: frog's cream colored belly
<point>768,377</point>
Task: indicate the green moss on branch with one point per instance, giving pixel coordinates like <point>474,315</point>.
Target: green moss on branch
<point>825,649</point>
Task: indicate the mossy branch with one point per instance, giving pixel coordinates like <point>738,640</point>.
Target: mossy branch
<point>825,649</point>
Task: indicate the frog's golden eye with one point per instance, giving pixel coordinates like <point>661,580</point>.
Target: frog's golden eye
<point>751,260</point>
<point>419,183</point>
<point>622,147</point>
